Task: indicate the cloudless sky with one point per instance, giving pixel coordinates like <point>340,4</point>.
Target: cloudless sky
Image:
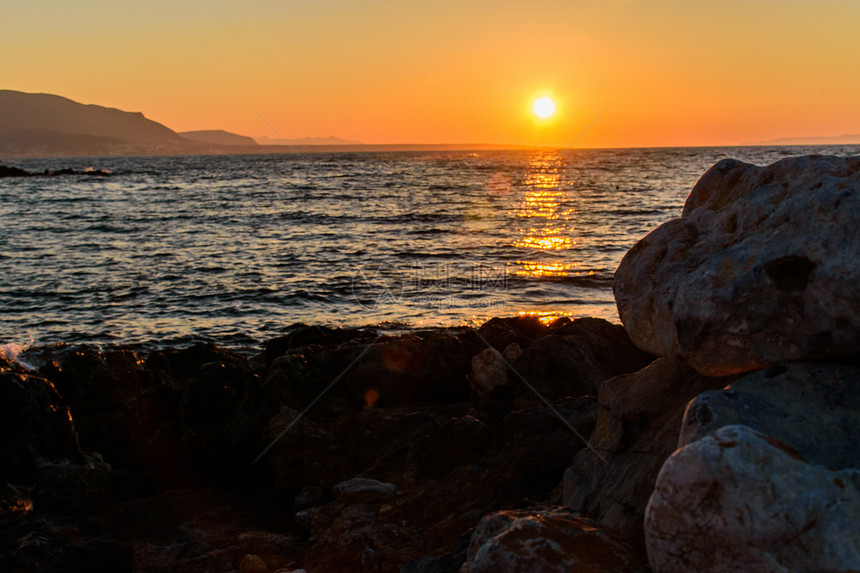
<point>379,71</point>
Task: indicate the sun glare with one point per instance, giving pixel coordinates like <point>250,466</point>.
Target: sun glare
<point>544,107</point>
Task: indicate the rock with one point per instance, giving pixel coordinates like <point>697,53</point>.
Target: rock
<point>792,403</point>
<point>362,490</point>
<point>760,269</point>
<point>739,500</point>
<point>548,540</point>
<point>35,426</point>
<point>6,171</point>
<point>576,358</point>
<point>638,424</point>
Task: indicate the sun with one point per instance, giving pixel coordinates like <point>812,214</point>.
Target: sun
<point>544,107</point>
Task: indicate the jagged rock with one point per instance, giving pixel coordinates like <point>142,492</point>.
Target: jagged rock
<point>760,269</point>
<point>550,540</point>
<point>793,403</point>
<point>739,500</point>
<point>637,428</point>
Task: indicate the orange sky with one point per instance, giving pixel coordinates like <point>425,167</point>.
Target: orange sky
<point>665,73</point>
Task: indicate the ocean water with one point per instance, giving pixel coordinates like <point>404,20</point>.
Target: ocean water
<point>236,248</point>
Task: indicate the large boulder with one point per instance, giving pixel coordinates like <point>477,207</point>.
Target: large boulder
<point>738,500</point>
<point>547,540</point>
<point>761,268</point>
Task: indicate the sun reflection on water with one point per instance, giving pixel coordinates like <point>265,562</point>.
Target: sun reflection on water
<point>546,198</point>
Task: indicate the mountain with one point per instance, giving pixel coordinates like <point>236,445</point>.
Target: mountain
<point>217,137</point>
<point>306,141</point>
<point>814,140</point>
<point>45,124</point>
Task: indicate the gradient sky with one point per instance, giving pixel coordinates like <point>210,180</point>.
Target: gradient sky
<point>669,73</point>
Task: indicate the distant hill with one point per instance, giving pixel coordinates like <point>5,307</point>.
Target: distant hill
<point>217,137</point>
<point>306,141</point>
<point>44,124</point>
<point>847,139</point>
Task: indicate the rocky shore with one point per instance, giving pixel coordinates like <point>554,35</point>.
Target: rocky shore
<point>717,430</point>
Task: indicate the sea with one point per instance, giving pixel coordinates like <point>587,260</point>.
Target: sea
<point>235,249</point>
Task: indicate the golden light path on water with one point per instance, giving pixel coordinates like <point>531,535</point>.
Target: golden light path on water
<point>547,199</point>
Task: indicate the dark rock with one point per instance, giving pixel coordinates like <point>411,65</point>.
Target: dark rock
<point>100,390</point>
<point>13,172</point>
<point>638,425</point>
<point>520,330</point>
<point>76,488</point>
<point>576,359</point>
<point>35,426</point>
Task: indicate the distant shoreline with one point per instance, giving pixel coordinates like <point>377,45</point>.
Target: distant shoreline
<point>377,148</point>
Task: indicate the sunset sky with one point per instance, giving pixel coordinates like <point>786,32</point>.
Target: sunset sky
<point>670,73</point>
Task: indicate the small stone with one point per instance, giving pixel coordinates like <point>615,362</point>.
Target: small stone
<point>362,490</point>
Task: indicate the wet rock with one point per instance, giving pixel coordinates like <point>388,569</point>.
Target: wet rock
<point>740,500</point>
<point>547,540</point>
<point>793,403</point>
<point>760,269</point>
<point>35,426</point>
<point>638,424</point>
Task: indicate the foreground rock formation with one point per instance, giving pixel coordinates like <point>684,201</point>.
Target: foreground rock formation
<point>761,268</point>
<point>761,272</point>
<point>141,460</point>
